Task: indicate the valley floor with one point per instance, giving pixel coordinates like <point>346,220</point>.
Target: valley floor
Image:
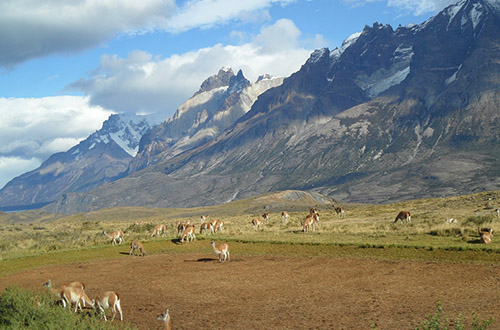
<point>281,292</point>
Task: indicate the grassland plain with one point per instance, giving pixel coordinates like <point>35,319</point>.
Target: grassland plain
<point>34,239</point>
<point>35,235</point>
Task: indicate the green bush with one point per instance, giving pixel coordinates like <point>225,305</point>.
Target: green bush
<point>437,322</point>
<point>22,309</point>
<point>133,228</point>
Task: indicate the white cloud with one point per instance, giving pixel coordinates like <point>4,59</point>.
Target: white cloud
<point>31,129</point>
<point>419,7</point>
<point>14,166</point>
<point>32,28</point>
<point>277,37</point>
<point>208,13</point>
<point>143,83</point>
<point>413,7</point>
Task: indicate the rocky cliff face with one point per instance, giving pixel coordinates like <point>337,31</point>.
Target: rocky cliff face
<point>102,157</point>
<point>221,100</point>
<point>391,115</point>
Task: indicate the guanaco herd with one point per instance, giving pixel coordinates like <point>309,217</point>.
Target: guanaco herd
<point>73,294</point>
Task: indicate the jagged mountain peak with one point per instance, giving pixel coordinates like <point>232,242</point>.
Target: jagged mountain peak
<point>265,76</point>
<point>237,83</point>
<point>222,78</point>
<point>468,15</point>
<point>318,55</point>
<point>125,130</point>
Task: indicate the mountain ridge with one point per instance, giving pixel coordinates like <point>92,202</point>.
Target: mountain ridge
<point>391,115</point>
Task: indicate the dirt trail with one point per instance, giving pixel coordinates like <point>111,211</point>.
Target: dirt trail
<point>275,292</point>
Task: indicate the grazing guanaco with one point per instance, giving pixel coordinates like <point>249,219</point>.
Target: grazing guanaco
<point>188,233</point>
<point>159,230</point>
<point>266,217</point>
<point>258,223</point>
<point>284,217</point>
<point>340,211</point>
<point>57,292</point>
<point>71,295</point>
<point>136,245</point>
<point>222,250</point>
<point>181,226</point>
<point>403,215</point>
<point>485,235</point>
<point>106,300</point>
<point>219,226</point>
<point>206,226</point>
<point>165,317</point>
<point>213,223</point>
<point>115,236</point>
<point>310,222</point>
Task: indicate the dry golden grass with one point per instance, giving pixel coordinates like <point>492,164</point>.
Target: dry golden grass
<point>363,225</point>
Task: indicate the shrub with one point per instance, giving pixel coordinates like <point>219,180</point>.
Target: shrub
<point>133,228</point>
<point>23,309</point>
<point>437,322</point>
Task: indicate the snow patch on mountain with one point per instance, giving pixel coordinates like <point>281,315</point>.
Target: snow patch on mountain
<point>317,55</point>
<point>474,15</point>
<point>453,77</point>
<point>452,11</point>
<point>494,4</point>
<point>350,41</point>
<point>125,131</point>
<point>388,82</point>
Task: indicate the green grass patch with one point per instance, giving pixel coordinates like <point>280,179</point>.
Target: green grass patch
<point>25,309</point>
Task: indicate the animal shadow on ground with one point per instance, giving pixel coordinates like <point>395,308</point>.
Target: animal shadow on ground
<point>203,260</point>
<point>296,231</point>
<point>176,240</point>
<point>211,260</point>
<point>475,241</point>
<point>123,252</point>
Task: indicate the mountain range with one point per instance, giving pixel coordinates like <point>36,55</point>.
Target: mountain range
<point>393,114</point>
<point>112,152</point>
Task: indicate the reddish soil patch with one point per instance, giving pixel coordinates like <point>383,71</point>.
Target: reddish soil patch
<point>275,292</point>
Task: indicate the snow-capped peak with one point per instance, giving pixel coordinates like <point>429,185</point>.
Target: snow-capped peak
<point>125,130</point>
<point>317,55</point>
<point>265,76</point>
<point>349,41</point>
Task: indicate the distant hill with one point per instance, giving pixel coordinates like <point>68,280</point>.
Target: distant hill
<point>102,157</point>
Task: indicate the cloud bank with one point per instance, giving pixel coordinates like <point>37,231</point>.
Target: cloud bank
<point>206,14</point>
<point>32,129</point>
<point>142,83</point>
<point>419,7</point>
<point>414,7</point>
<point>31,29</point>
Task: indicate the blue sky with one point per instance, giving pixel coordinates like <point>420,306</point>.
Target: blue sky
<point>66,65</point>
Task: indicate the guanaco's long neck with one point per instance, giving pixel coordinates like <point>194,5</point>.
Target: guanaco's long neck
<point>215,249</point>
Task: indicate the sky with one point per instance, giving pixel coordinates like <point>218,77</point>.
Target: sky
<point>65,66</point>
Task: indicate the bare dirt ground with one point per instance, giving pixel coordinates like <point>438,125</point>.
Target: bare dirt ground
<point>277,292</point>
